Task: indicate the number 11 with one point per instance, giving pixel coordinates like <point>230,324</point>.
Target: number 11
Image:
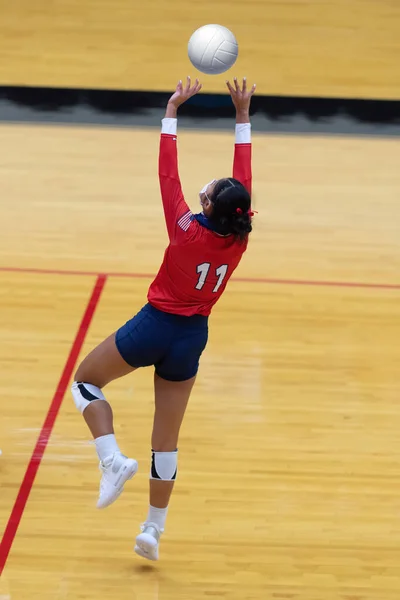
<point>203,270</point>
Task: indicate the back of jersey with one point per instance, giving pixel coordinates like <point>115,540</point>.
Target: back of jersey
<point>198,262</point>
<point>194,273</point>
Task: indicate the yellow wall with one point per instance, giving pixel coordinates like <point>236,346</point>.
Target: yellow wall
<point>341,48</point>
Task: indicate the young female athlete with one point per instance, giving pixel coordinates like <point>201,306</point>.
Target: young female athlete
<point>171,331</point>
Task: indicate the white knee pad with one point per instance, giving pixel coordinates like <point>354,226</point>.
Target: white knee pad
<point>164,465</point>
<point>84,394</point>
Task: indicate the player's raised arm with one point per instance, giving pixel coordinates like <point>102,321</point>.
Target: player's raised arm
<point>171,190</point>
<point>241,98</point>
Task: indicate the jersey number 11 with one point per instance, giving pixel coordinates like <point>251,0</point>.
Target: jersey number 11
<point>203,270</point>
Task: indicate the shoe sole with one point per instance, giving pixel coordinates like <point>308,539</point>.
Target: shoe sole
<point>127,473</point>
<point>146,546</point>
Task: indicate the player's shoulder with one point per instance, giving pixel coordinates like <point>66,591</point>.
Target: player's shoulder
<point>187,221</point>
<point>228,246</point>
<point>192,231</point>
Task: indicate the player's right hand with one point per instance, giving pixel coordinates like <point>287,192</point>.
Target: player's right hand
<point>241,96</point>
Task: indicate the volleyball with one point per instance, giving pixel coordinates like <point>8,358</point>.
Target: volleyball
<point>213,49</point>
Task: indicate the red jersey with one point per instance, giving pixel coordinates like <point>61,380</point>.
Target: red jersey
<point>198,262</point>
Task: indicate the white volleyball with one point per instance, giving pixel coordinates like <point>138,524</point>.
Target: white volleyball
<point>213,49</point>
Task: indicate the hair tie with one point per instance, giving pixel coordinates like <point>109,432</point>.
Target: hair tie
<point>251,212</point>
<point>239,211</point>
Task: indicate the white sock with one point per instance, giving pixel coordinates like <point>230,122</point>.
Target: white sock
<point>106,446</point>
<point>157,516</point>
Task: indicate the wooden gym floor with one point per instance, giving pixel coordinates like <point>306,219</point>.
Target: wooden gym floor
<point>290,451</point>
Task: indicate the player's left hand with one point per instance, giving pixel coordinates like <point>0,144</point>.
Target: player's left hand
<point>183,93</point>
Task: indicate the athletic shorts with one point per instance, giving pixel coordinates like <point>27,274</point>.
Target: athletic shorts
<point>172,343</point>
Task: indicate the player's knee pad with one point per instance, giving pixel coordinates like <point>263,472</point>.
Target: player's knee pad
<point>84,394</point>
<point>164,465</point>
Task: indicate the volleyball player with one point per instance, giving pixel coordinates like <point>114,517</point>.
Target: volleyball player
<point>170,332</point>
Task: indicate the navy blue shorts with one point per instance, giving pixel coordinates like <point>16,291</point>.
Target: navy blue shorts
<point>172,343</point>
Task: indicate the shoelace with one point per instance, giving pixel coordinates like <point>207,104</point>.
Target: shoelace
<point>103,467</point>
<point>149,524</point>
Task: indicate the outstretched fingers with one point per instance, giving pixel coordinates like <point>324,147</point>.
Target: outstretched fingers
<point>197,86</point>
<point>230,88</point>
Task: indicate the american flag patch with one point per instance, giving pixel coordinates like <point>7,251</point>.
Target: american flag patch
<point>184,222</point>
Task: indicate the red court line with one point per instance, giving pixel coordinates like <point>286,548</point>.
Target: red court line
<point>305,282</point>
<point>73,272</point>
<point>321,283</point>
<point>38,452</point>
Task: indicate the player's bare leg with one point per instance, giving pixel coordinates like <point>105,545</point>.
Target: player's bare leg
<point>171,399</point>
<point>102,365</point>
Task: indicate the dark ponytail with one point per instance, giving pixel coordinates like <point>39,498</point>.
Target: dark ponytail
<point>231,206</point>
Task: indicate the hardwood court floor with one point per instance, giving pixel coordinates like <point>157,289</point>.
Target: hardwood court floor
<point>290,453</point>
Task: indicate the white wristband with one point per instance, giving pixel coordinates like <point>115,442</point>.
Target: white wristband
<point>243,133</point>
<point>169,126</point>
